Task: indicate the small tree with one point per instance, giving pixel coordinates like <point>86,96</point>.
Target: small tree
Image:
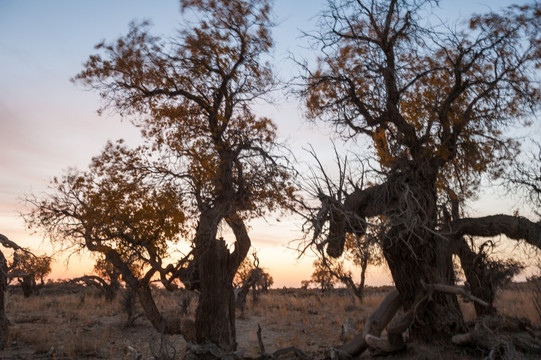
<point>322,277</point>
<point>247,267</point>
<point>28,268</point>
<point>250,276</point>
<point>357,251</point>
<point>119,216</point>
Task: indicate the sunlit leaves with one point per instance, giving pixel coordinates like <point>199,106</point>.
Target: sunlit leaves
<point>109,206</point>
<point>191,97</point>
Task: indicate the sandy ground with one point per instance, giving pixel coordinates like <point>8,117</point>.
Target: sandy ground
<point>83,325</point>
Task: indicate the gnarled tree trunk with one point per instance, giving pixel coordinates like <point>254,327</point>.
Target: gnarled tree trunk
<point>414,253</point>
<point>215,313</point>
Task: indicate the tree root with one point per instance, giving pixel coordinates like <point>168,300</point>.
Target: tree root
<point>382,316</point>
<point>212,352</point>
<point>501,337</point>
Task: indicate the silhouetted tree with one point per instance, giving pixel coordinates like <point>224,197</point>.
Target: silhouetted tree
<point>28,268</point>
<point>208,161</point>
<point>434,106</point>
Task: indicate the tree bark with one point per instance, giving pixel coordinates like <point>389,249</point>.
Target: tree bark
<point>514,227</point>
<point>164,326</point>
<point>476,278</point>
<point>215,314</point>
<point>409,271</point>
<point>143,291</point>
<point>413,252</point>
<point>4,330</point>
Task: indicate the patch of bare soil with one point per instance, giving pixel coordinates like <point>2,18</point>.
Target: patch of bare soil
<point>80,324</point>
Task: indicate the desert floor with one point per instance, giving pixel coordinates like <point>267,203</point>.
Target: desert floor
<point>78,323</point>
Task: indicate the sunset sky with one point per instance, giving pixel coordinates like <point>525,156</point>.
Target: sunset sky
<point>48,124</point>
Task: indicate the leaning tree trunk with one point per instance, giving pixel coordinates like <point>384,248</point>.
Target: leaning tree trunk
<point>480,286</point>
<point>144,293</point>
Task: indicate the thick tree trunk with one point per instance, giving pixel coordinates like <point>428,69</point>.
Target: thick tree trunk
<point>415,255</point>
<point>216,265</point>
<point>441,317</point>
<point>3,301</point>
<point>215,314</point>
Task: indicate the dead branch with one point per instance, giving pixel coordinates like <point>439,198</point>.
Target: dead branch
<point>375,324</point>
<point>298,352</point>
<point>260,341</point>
<point>378,320</point>
<point>514,227</point>
<point>10,244</point>
<point>275,355</point>
<point>450,289</point>
<point>501,336</point>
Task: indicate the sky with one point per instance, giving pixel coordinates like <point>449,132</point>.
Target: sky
<point>48,124</point>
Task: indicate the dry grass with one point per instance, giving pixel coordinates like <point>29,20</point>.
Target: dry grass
<point>84,325</point>
<point>517,301</point>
